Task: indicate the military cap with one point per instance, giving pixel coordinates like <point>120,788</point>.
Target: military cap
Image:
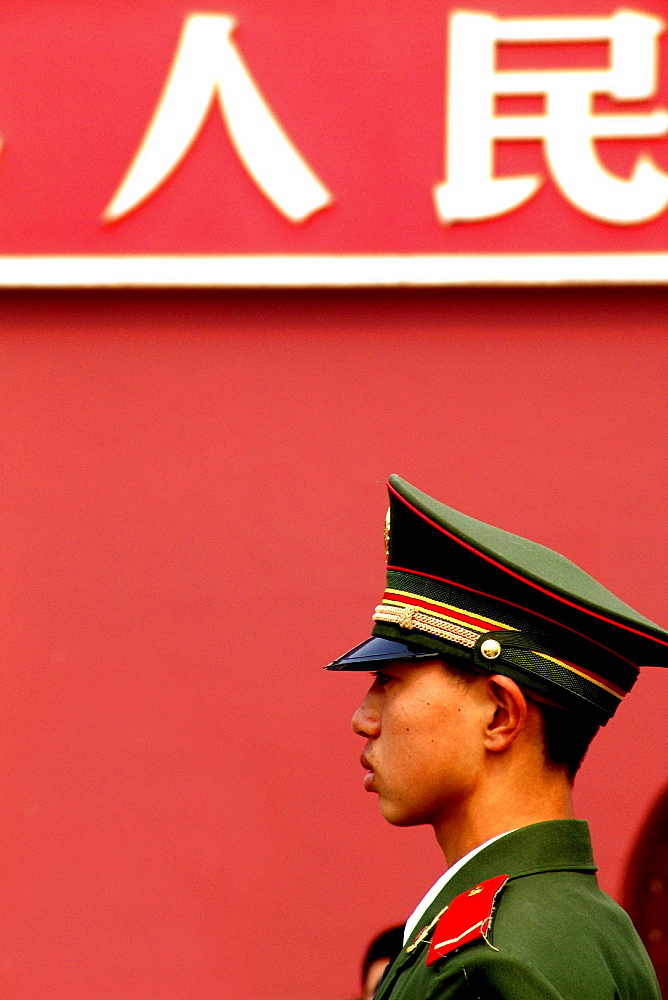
<point>475,594</point>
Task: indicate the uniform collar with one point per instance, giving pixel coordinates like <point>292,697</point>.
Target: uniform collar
<point>552,846</point>
<point>416,916</point>
<point>555,845</point>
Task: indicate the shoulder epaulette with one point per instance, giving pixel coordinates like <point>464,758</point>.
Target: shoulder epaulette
<point>467,918</point>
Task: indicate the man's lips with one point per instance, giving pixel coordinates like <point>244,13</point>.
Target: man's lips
<point>370,774</point>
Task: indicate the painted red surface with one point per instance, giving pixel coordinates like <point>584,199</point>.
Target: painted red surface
<point>192,525</point>
<point>360,90</point>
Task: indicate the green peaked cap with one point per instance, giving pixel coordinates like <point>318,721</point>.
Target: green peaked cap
<point>537,563</point>
<point>463,589</point>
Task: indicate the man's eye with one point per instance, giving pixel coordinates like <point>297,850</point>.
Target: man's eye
<point>381,678</point>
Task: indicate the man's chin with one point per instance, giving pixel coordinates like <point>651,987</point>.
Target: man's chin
<point>398,816</point>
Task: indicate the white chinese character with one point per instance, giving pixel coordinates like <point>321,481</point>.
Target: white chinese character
<point>207,64</point>
<point>568,127</point>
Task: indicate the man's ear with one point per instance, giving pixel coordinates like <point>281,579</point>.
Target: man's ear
<point>510,714</point>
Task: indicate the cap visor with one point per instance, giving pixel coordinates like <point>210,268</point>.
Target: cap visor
<point>377,650</point>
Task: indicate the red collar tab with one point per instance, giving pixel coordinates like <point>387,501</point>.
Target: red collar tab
<point>466,919</point>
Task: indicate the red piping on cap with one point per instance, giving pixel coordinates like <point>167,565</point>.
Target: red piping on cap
<point>511,604</point>
<point>523,579</point>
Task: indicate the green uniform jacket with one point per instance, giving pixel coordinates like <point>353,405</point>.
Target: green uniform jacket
<point>554,935</point>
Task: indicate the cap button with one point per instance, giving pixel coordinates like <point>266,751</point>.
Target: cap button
<point>490,649</point>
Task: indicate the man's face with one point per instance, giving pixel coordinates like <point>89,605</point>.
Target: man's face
<point>373,977</point>
<point>424,728</point>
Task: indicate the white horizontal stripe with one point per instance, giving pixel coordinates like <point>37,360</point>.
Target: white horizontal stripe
<point>330,270</point>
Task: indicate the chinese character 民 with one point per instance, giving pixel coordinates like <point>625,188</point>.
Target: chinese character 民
<point>568,128</point>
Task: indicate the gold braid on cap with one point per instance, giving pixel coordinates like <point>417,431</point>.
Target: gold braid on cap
<point>412,611</point>
<point>409,617</point>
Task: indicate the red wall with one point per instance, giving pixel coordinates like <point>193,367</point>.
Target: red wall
<point>192,509</point>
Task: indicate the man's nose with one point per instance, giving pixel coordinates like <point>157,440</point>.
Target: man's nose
<point>366,720</point>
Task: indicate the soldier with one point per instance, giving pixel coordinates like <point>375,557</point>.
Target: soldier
<point>495,661</point>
